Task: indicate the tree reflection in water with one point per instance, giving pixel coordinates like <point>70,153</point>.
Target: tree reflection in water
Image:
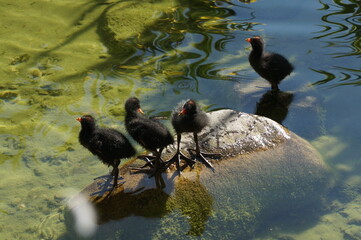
<point>341,30</point>
<point>180,47</point>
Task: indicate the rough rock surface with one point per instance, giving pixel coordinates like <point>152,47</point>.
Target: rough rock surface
<point>265,171</point>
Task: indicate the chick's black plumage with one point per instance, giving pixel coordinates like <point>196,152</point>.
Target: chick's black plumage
<point>271,66</point>
<point>189,117</point>
<point>149,133</point>
<point>108,144</point>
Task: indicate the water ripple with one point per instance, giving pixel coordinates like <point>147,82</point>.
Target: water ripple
<point>344,76</point>
<point>342,24</point>
<point>183,45</point>
<point>341,32</point>
<point>185,85</point>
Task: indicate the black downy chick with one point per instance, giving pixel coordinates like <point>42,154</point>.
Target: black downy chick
<point>108,144</point>
<point>188,117</point>
<point>271,66</point>
<point>149,133</point>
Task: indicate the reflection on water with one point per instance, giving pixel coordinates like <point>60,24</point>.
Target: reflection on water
<point>180,47</point>
<point>343,21</point>
<point>342,34</point>
<point>274,106</point>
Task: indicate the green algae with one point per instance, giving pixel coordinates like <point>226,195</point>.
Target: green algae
<point>131,19</point>
<point>198,210</point>
<point>47,62</point>
<point>38,74</point>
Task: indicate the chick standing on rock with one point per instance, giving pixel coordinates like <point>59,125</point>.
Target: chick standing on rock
<point>271,66</point>
<point>149,133</point>
<point>188,117</point>
<point>108,144</point>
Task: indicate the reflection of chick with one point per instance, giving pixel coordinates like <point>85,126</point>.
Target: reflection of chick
<point>274,106</point>
<point>271,66</point>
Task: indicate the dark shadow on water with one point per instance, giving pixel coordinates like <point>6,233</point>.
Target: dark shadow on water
<point>124,209</point>
<point>137,213</point>
<point>274,105</point>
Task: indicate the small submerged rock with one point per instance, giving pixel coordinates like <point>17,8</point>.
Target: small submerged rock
<point>20,59</point>
<point>36,73</point>
<point>265,171</point>
<point>8,95</point>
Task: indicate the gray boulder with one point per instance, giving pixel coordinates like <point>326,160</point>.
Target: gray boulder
<point>265,170</point>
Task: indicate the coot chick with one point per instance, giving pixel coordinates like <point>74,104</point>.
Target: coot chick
<point>271,66</point>
<point>108,144</point>
<point>188,117</point>
<point>149,133</point>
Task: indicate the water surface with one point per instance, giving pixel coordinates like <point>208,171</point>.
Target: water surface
<point>59,65</point>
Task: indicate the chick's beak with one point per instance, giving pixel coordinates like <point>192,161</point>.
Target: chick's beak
<point>184,111</point>
<point>79,119</point>
<point>248,40</point>
<point>140,111</point>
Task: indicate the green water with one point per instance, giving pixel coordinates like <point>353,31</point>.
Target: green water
<point>59,62</point>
